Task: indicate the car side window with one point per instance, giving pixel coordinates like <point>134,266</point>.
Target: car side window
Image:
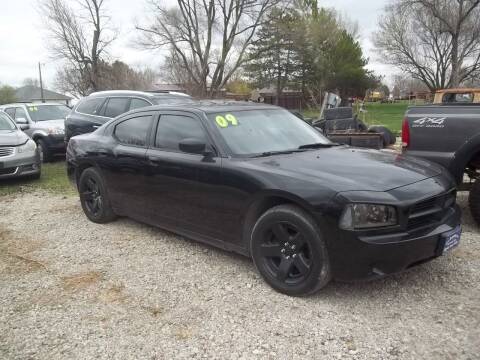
<point>11,112</point>
<point>90,106</point>
<point>172,129</point>
<point>134,131</point>
<point>20,113</point>
<point>116,106</point>
<point>138,103</point>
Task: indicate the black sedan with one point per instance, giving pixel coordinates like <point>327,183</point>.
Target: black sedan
<point>259,181</point>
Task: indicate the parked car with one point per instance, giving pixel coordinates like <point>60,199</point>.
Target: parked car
<point>44,123</point>
<point>450,136</point>
<point>98,108</point>
<point>18,153</point>
<point>457,96</point>
<point>257,180</point>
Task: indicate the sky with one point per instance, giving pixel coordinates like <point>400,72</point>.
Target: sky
<point>24,40</point>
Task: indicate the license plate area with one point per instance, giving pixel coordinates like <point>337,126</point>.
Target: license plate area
<point>450,240</point>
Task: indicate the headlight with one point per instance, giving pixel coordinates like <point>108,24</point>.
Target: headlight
<point>29,146</point>
<point>364,216</point>
<point>56,131</point>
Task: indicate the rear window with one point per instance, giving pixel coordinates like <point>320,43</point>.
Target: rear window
<point>90,106</point>
<point>116,106</point>
<point>458,98</point>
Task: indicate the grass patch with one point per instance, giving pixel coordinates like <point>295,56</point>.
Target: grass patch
<point>390,115</point>
<point>54,179</point>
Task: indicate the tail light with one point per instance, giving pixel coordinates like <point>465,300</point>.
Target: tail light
<point>405,134</point>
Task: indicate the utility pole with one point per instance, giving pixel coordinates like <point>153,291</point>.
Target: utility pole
<point>41,83</point>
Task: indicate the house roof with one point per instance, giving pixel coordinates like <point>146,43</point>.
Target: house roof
<point>31,93</point>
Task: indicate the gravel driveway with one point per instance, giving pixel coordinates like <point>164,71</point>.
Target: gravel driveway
<point>73,289</point>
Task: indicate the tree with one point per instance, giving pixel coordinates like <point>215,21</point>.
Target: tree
<point>404,85</point>
<point>239,86</point>
<point>81,36</point>
<point>191,31</point>
<point>435,41</point>
<point>30,82</point>
<point>346,69</point>
<point>114,76</point>
<point>7,95</point>
<point>275,55</point>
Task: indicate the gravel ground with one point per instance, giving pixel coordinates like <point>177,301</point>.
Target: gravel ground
<point>73,289</point>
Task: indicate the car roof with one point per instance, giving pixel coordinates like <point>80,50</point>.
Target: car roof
<point>136,93</point>
<point>214,106</point>
<point>31,104</point>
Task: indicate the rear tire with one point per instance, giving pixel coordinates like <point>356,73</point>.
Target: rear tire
<point>288,250</point>
<point>474,201</point>
<point>94,197</point>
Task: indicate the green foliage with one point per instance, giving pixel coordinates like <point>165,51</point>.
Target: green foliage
<point>309,50</point>
<point>7,95</point>
<point>275,55</point>
<point>346,66</point>
<point>54,179</point>
<point>239,86</point>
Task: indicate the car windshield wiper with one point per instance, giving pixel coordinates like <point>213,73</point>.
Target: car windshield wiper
<point>317,145</point>
<point>282,152</point>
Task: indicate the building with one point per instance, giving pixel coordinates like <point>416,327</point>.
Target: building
<point>33,94</point>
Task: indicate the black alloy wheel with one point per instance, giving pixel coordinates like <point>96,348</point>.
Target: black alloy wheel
<point>289,252</point>
<point>94,197</point>
<point>286,254</point>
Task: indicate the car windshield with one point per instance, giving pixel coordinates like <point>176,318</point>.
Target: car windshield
<point>48,112</point>
<point>6,123</point>
<point>251,132</point>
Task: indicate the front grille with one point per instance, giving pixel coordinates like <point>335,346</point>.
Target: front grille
<point>8,171</point>
<point>6,151</point>
<point>429,212</point>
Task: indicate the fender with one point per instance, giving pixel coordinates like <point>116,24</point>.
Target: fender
<point>38,133</point>
<point>264,200</point>
<point>462,156</point>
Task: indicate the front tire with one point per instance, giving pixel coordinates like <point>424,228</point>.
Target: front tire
<point>289,251</point>
<point>43,151</point>
<point>474,201</point>
<point>94,197</point>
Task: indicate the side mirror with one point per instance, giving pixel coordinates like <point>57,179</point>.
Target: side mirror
<point>24,127</point>
<point>193,146</point>
<point>21,120</point>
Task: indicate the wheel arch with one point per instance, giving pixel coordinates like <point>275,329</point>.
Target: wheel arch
<point>81,167</point>
<point>262,203</point>
<point>468,154</point>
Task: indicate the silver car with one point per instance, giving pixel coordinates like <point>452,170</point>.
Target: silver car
<point>44,123</point>
<point>18,153</point>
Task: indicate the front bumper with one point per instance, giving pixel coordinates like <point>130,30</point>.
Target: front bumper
<point>355,257</point>
<point>55,143</point>
<point>17,165</point>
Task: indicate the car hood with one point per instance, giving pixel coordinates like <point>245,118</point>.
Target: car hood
<point>12,137</point>
<point>346,169</point>
<point>58,123</point>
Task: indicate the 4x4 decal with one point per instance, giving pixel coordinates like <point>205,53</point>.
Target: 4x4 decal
<point>438,122</point>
